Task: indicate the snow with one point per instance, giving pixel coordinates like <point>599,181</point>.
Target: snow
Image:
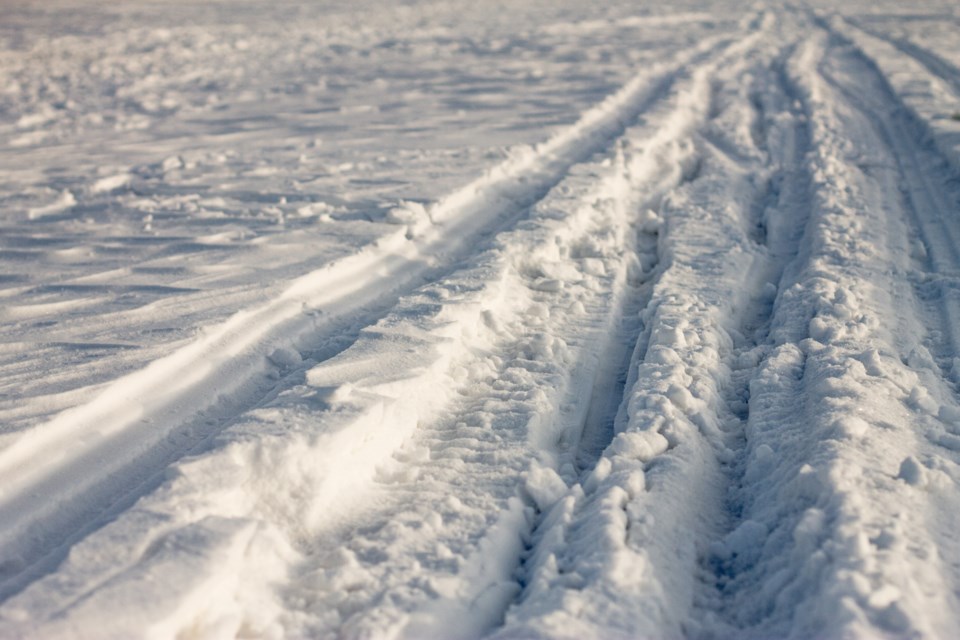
<point>461,320</point>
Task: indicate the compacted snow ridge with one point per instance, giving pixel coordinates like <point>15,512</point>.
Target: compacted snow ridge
<point>454,320</point>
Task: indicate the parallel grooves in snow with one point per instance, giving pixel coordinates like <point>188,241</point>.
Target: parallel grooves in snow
<point>687,369</point>
<point>931,206</point>
<point>590,534</point>
<point>607,392</point>
<point>483,589</point>
<point>835,381</point>
<point>928,205</point>
<point>936,65</point>
<point>785,143</point>
<point>929,191</point>
<point>918,84</point>
<point>124,434</point>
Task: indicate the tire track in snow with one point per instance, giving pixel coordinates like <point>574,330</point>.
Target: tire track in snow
<point>929,198</point>
<point>930,201</point>
<point>488,449</point>
<point>603,407</point>
<point>124,565</point>
<point>142,423</point>
<point>937,66</point>
<point>603,549</point>
<point>781,216</point>
<point>930,92</point>
<point>926,198</point>
<point>829,541</point>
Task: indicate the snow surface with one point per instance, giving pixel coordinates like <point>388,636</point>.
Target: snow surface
<point>459,320</point>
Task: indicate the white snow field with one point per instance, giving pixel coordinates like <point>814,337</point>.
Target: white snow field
<point>497,319</point>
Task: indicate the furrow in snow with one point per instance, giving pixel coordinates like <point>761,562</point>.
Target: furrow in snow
<point>917,180</point>
<point>141,423</point>
<point>929,60</point>
<point>929,200</point>
<point>782,215</point>
<point>839,530</point>
<point>618,555</point>
<point>601,401</point>
<point>930,92</point>
<point>503,434</point>
<point>297,466</point>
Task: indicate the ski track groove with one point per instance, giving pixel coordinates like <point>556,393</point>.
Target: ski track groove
<point>464,441</point>
<point>929,202</point>
<point>604,415</point>
<point>754,320</point>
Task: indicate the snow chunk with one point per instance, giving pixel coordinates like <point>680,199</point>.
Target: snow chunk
<point>746,541</point>
<point>949,415</point>
<point>872,362</point>
<point>64,202</point>
<point>634,482</point>
<point>172,163</point>
<point>681,397</point>
<point>110,183</point>
<point>920,358</point>
<point>544,486</point>
<point>850,427</point>
<point>406,212</point>
<point>884,597</point>
<point>594,267</point>
<point>600,473</point>
<point>320,210</point>
<point>642,445</point>
<point>822,330</point>
<point>663,355</point>
<point>668,336</point>
<point>921,401</point>
<point>763,453</point>
<point>912,472</point>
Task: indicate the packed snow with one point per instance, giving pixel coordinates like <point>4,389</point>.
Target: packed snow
<point>448,319</point>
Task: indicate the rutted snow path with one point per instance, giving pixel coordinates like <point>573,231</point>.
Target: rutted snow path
<point>228,370</point>
<point>688,368</point>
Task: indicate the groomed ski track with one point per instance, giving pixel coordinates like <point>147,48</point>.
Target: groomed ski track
<point>685,369</point>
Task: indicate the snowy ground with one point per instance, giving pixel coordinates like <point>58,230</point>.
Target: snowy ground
<point>479,319</point>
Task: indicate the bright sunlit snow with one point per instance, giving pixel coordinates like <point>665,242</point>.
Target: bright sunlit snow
<point>513,319</point>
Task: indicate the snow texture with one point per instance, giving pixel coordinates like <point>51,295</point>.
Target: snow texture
<point>462,320</point>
